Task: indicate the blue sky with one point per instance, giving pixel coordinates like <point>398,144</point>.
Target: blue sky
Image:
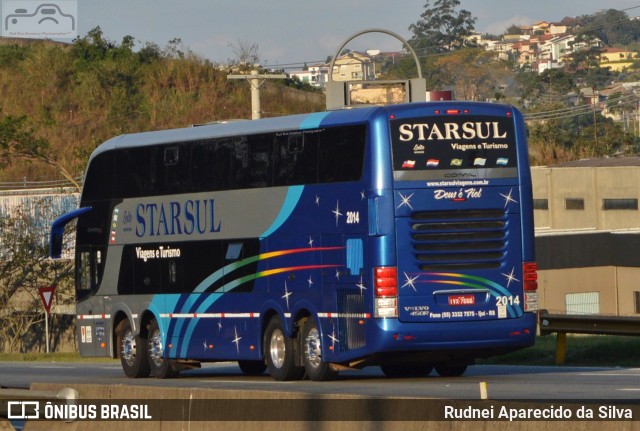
<point>298,31</point>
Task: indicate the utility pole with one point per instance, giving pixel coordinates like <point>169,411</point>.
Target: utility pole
<point>256,80</point>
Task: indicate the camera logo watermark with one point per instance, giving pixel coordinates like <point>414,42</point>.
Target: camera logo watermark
<point>23,410</point>
<point>48,19</point>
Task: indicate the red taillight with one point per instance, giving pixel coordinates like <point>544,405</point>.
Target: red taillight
<point>386,281</point>
<point>530,275</point>
<point>453,111</point>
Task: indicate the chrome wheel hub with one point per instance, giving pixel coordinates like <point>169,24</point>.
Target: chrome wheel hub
<point>277,348</point>
<point>313,348</point>
<point>156,350</point>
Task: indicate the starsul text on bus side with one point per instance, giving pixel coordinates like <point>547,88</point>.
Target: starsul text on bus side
<point>177,218</point>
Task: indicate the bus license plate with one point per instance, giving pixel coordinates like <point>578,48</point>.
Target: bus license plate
<point>462,300</point>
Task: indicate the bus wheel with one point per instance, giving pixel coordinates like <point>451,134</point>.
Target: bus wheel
<point>450,370</point>
<point>279,352</point>
<point>160,366</point>
<point>133,352</point>
<point>252,368</point>
<point>316,368</point>
<point>406,370</point>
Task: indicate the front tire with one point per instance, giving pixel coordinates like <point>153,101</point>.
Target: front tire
<point>159,365</point>
<point>133,351</point>
<point>279,353</point>
<point>316,367</point>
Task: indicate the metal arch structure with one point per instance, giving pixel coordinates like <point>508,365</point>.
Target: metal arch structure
<point>338,93</point>
<point>375,30</point>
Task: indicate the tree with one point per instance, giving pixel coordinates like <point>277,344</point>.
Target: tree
<point>441,28</point>
<point>514,29</point>
<point>24,267</point>
<point>19,141</point>
<point>566,136</point>
<point>475,73</point>
<point>612,27</point>
<point>551,86</point>
<point>246,55</point>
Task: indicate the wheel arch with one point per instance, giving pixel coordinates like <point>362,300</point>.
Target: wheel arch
<point>119,317</point>
<point>145,319</point>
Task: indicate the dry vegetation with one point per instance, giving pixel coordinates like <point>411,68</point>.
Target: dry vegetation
<point>76,96</point>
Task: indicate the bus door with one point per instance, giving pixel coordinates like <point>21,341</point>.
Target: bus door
<point>92,320</point>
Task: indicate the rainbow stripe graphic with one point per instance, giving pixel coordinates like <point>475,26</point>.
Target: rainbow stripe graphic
<point>187,307</point>
<point>474,282</point>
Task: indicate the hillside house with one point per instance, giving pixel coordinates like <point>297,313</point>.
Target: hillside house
<point>617,59</point>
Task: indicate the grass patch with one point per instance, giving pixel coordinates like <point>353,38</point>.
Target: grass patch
<point>582,350</point>
<point>51,357</point>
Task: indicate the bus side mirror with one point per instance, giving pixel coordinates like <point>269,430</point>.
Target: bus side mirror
<point>57,231</point>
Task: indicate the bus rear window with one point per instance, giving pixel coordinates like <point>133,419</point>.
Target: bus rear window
<point>444,143</point>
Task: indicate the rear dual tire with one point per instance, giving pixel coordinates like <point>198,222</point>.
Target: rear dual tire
<point>133,351</point>
<point>141,356</point>
<point>279,353</point>
<point>159,365</point>
<point>315,366</point>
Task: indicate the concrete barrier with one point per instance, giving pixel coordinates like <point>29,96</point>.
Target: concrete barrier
<point>184,404</point>
<point>5,425</point>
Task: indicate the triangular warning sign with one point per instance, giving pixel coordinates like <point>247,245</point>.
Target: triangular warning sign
<point>46,294</point>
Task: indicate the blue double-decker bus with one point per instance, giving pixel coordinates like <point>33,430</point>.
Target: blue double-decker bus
<point>396,236</point>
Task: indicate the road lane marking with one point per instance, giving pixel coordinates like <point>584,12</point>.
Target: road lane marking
<point>609,374</point>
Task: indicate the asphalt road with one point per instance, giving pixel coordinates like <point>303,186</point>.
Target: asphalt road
<point>503,382</point>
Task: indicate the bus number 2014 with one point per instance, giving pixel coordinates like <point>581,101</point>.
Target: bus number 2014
<point>508,300</point>
<point>353,217</point>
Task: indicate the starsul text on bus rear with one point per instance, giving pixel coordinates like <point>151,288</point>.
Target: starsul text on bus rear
<point>193,216</point>
<point>447,131</point>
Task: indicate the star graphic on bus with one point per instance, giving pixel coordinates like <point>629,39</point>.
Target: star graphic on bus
<point>361,286</point>
<point>406,201</point>
<point>310,242</point>
<point>337,212</point>
<point>362,195</point>
<point>237,339</point>
<point>510,277</point>
<point>310,281</point>
<point>508,198</point>
<point>219,325</point>
<point>286,295</point>
<point>410,281</point>
<point>333,338</point>
<point>317,200</point>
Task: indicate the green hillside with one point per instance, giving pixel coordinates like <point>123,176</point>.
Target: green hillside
<point>75,96</point>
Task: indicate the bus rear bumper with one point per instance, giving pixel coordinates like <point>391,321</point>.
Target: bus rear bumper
<point>475,339</point>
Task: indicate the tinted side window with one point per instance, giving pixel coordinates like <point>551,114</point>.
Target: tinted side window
<point>134,172</point>
<point>99,182</point>
<point>252,161</point>
<point>320,155</point>
<point>341,154</point>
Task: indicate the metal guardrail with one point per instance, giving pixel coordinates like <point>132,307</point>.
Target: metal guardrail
<point>564,324</point>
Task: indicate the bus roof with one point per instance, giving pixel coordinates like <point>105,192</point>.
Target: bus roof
<point>275,124</point>
<point>236,128</point>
